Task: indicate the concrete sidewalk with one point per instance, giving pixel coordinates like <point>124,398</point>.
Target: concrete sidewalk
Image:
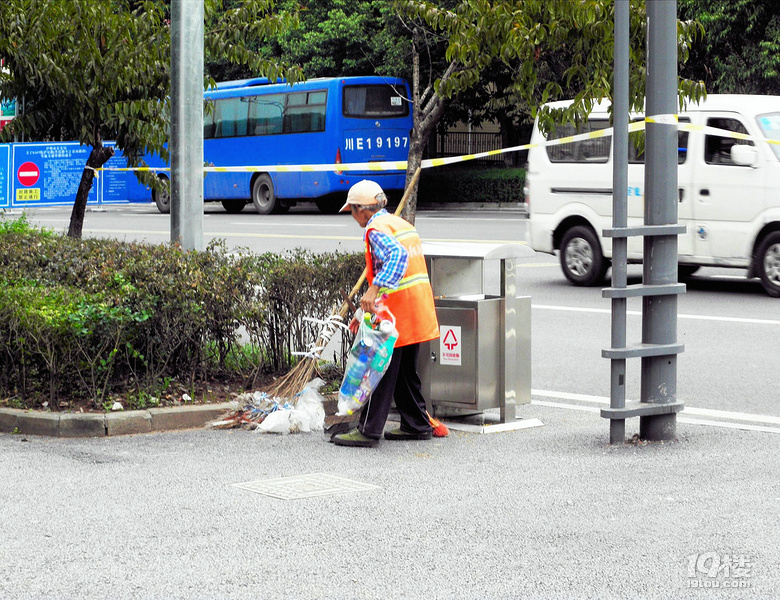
<point>545,512</point>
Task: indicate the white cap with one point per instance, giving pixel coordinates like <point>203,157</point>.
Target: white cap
<point>362,193</point>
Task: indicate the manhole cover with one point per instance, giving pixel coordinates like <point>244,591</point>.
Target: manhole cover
<point>305,486</point>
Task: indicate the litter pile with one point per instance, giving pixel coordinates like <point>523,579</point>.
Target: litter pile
<point>270,414</point>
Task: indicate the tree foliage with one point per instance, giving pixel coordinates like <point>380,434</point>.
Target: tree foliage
<point>90,70</point>
<point>552,50</point>
<point>740,51</point>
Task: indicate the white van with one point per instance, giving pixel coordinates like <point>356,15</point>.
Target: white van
<point>729,193</point>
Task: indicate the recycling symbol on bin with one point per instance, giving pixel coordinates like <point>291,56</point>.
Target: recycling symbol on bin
<point>450,341</point>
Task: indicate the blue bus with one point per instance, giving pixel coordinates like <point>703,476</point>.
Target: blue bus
<point>252,122</point>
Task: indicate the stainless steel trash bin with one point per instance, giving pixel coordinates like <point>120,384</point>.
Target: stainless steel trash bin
<point>482,358</point>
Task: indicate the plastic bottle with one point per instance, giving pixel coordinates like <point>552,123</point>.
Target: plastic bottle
<point>354,375</point>
<point>364,346</point>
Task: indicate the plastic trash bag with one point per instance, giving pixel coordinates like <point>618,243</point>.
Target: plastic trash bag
<point>310,404</point>
<point>369,358</point>
<point>306,415</point>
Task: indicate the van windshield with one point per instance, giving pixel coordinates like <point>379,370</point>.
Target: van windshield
<point>770,127</point>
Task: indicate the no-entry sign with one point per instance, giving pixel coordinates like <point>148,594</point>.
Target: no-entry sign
<point>28,174</point>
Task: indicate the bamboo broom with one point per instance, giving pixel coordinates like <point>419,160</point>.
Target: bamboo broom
<point>293,381</point>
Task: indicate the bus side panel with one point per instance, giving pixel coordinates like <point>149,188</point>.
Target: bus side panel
<point>137,191</point>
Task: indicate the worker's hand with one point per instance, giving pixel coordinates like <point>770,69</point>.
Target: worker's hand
<point>353,325</point>
<point>369,299</point>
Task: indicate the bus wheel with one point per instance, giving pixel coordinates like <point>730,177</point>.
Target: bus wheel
<point>233,205</point>
<point>768,264</point>
<point>162,197</point>
<point>581,258</point>
<point>263,196</point>
<point>329,206</point>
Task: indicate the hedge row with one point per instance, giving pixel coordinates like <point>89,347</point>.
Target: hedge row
<point>471,184</point>
<point>94,318</point>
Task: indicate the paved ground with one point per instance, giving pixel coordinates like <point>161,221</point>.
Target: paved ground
<point>546,512</point>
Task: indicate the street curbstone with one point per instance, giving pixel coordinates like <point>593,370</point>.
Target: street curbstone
<point>188,417</point>
<point>74,425</point>
<point>82,425</point>
<point>9,420</point>
<point>128,423</point>
<point>38,423</point>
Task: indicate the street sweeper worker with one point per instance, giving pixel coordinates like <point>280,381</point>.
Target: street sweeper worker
<point>398,278</point>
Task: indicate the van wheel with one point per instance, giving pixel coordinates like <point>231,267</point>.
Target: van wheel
<point>233,206</point>
<point>685,271</point>
<point>162,197</point>
<point>768,264</point>
<point>263,195</point>
<point>581,258</point>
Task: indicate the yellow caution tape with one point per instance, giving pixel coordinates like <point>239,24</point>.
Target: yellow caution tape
<point>401,165</point>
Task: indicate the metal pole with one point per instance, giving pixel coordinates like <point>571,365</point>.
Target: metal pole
<point>508,388</point>
<point>659,313</point>
<point>617,427</point>
<point>187,123</point>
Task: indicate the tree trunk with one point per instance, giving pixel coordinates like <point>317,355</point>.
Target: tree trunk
<point>97,158</point>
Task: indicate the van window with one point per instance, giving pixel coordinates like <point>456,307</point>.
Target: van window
<point>586,151</point>
<point>636,145</point>
<point>717,149</point>
<point>770,127</point>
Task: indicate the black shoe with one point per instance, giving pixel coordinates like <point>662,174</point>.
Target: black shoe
<point>399,434</point>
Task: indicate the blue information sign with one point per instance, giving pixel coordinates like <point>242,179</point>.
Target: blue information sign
<point>5,177</point>
<point>59,167</point>
<point>113,184</point>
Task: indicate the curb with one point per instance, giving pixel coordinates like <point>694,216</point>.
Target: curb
<point>71,425</point>
<point>514,207</point>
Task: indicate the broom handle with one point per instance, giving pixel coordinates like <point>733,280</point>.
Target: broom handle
<point>401,204</point>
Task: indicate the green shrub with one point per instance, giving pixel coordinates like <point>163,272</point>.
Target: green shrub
<point>471,184</point>
<point>92,318</point>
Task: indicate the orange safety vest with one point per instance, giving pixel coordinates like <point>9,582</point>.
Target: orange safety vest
<point>412,301</point>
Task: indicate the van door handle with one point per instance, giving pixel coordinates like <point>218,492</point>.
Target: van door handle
<point>681,193</point>
<point>704,192</point>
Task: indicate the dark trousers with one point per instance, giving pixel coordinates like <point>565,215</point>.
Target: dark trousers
<point>401,382</point>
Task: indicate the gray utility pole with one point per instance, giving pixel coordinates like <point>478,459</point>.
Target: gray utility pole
<point>658,407</point>
<point>186,143</point>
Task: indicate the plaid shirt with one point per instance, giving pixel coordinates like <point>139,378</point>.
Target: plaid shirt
<point>390,259</point>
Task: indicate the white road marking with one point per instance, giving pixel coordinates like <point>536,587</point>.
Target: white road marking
<point>607,311</point>
<point>729,416</point>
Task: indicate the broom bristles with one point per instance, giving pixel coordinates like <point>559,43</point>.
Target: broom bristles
<point>439,428</point>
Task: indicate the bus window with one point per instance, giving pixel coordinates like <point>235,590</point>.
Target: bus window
<point>208,120</point>
<point>373,101</point>
<point>586,151</point>
<point>636,145</point>
<point>230,117</point>
<point>305,112</point>
<point>717,149</point>
<point>265,114</point>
